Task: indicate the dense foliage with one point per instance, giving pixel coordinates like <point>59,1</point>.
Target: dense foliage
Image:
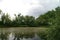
<point>54,31</point>
<point>45,19</point>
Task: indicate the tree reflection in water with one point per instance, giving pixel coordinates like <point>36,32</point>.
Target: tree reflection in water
<point>17,36</point>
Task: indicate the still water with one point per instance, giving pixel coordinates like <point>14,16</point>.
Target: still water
<point>9,34</point>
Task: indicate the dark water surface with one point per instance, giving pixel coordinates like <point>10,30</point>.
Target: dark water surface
<point>16,34</point>
<point>12,36</point>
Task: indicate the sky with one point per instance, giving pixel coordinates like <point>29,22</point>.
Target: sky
<point>28,7</point>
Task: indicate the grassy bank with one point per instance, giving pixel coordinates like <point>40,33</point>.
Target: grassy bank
<point>24,29</point>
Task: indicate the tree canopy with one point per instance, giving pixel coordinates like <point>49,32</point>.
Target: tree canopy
<point>46,19</point>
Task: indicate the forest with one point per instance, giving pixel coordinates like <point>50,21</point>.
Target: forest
<point>47,19</point>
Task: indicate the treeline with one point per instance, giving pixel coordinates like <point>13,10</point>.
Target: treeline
<point>45,19</point>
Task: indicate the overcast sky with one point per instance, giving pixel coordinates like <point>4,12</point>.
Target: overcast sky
<point>28,7</point>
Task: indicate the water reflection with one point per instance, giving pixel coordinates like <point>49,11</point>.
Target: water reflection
<point>18,36</point>
<point>11,36</point>
<point>3,36</point>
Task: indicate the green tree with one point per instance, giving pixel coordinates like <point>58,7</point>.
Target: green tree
<point>30,20</point>
<point>0,11</point>
<point>42,20</point>
<point>6,19</point>
<point>54,32</point>
<point>19,20</point>
<point>46,19</point>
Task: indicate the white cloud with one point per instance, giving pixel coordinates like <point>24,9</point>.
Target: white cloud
<point>25,6</point>
<point>15,6</point>
<point>46,6</point>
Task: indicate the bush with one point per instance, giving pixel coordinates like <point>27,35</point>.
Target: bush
<point>54,33</point>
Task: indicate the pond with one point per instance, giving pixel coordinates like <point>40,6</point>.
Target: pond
<point>16,34</point>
